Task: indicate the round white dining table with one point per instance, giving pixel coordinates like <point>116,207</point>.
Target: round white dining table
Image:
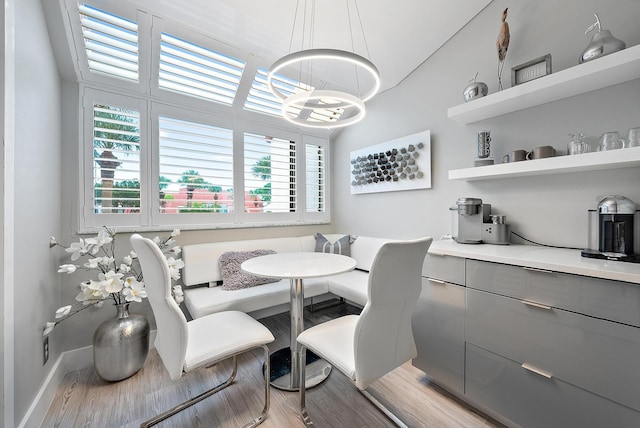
<point>296,267</point>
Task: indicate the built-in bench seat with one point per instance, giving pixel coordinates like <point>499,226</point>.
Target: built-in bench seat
<point>202,276</point>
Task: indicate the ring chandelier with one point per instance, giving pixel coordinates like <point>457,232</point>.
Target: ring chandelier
<point>323,99</point>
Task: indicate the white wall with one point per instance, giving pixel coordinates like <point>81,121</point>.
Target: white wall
<point>37,197</point>
<point>550,209</point>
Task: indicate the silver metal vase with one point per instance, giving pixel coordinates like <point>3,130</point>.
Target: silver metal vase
<point>121,345</point>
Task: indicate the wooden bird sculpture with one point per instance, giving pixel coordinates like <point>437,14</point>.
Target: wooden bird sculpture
<point>502,44</point>
<point>503,37</point>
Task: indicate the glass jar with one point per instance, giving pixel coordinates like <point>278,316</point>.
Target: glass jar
<point>578,145</point>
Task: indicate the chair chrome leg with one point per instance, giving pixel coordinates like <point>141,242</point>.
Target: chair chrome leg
<point>388,413</point>
<point>180,407</point>
<point>267,391</point>
<point>302,372</point>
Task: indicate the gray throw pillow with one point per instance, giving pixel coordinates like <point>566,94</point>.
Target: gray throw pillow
<point>341,246</point>
<point>232,276</point>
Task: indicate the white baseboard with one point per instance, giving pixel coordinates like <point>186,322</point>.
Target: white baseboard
<point>75,359</point>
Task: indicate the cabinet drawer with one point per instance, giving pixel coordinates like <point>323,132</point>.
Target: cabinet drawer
<point>531,400</point>
<point>597,355</point>
<point>612,300</point>
<point>445,268</point>
<point>438,329</point>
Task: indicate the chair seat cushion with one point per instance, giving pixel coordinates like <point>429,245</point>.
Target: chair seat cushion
<point>221,335</point>
<point>334,341</point>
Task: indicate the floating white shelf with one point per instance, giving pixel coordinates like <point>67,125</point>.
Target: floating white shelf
<point>609,70</point>
<point>621,158</point>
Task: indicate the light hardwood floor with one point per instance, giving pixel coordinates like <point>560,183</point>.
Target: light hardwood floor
<point>85,400</point>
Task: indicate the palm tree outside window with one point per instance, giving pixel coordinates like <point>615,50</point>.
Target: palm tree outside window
<point>116,155</point>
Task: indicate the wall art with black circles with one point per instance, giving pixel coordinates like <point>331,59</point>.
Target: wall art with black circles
<point>400,164</point>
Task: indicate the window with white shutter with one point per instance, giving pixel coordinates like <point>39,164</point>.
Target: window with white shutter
<point>195,167</point>
<point>166,142</point>
<point>111,43</point>
<point>270,184</point>
<point>196,71</point>
<point>261,100</point>
<point>116,160</point>
<point>315,178</point>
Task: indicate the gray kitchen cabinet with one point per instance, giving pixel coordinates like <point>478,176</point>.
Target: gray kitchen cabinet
<point>530,346</point>
<point>556,345</point>
<point>438,322</point>
<point>528,399</point>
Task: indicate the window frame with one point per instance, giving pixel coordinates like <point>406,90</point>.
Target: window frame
<point>176,30</point>
<point>317,216</point>
<point>153,102</point>
<point>150,217</point>
<point>199,220</point>
<point>83,71</point>
<point>283,134</point>
<point>88,217</point>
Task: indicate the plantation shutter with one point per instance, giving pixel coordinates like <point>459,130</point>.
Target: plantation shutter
<point>116,160</point>
<point>111,43</point>
<point>315,178</point>
<point>269,174</point>
<point>195,167</point>
<point>193,70</point>
<point>261,100</point>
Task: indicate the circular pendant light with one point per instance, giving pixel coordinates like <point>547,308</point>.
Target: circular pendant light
<point>319,54</point>
<point>320,100</point>
<point>326,107</point>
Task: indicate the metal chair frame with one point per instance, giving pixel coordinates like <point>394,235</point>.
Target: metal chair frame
<point>182,406</point>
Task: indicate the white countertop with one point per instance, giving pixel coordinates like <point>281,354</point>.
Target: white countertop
<point>554,259</point>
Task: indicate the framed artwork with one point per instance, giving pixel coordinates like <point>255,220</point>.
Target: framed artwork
<point>400,164</point>
<point>531,70</point>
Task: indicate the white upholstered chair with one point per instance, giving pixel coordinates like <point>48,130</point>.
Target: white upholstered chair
<point>184,346</point>
<point>365,347</point>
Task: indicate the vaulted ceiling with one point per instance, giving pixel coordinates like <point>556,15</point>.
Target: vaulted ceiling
<point>399,34</point>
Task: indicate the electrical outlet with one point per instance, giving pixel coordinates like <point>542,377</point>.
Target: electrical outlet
<point>45,350</point>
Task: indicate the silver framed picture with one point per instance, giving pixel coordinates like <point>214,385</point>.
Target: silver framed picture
<point>531,70</point>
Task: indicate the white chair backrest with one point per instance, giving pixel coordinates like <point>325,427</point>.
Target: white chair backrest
<point>172,332</point>
<point>383,336</point>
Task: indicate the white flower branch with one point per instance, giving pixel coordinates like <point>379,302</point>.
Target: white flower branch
<point>120,281</point>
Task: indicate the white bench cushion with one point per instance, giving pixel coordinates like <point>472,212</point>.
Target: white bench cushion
<point>201,261</point>
<point>202,267</point>
<point>202,301</point>
<point>350,285</point>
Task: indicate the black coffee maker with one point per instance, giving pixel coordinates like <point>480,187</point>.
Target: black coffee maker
<point>615,225</point>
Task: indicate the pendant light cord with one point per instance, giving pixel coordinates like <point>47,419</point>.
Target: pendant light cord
<point>353,45</point>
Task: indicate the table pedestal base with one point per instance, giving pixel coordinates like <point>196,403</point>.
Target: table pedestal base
<point>316,371</point>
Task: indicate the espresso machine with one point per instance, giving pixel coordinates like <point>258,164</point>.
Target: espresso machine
<point>472,223</point>
<point>612,230</point>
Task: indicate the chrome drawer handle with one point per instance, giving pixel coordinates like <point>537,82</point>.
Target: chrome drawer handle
<point>537,270</point>
<point>437,281</point>
<point>536,305</point>
<point>536,370</point>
